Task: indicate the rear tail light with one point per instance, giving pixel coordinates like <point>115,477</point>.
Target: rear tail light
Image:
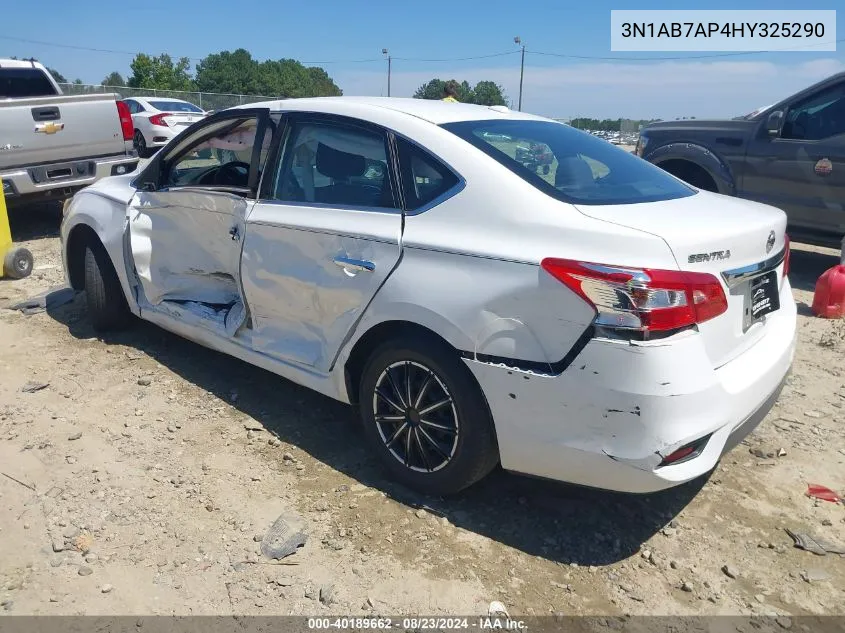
<point>786,244</point>
<point>158,119</point>
<point>641,299</point>
<point>686,452</point>
<point>125,121</point>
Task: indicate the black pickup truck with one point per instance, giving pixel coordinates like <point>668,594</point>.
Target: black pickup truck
<point>790,155</point>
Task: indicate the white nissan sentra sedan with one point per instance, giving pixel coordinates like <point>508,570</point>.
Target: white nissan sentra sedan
<point>597,322</point>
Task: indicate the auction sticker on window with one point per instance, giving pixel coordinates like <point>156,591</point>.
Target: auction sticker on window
<point>702,30</point>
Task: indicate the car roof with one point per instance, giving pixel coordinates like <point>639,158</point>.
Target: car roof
<point>433,111</point>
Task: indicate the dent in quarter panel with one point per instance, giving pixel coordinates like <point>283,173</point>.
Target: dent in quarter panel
<point>485,306</point>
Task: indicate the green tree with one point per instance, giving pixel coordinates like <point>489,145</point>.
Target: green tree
<point>114,79</point>
<point>488,93</point>
<point>230,72</point>
<point>238,73</point>
<point>433,89</point>
<point>484,93</point>
<point>77,81</point>
<point>160,73</point>
<point>59,77</point>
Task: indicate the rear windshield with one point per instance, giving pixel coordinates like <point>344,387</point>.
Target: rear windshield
<point>174,106</point>
<point>570,165</point>
<point>24,82</point>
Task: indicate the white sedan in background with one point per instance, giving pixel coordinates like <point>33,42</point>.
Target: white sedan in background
<point>157,120</point>
<point>604,323</point>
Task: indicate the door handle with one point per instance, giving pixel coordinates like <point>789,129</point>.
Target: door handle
<point>235,234</point>
<point>355,264</point>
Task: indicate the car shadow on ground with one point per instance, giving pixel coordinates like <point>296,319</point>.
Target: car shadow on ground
<point>547,519</point>
<point>805,267</point>
<point>35,221</point>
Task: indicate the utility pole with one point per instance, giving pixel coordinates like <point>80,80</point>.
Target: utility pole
<point>518,42</point>
<point>384,52</point>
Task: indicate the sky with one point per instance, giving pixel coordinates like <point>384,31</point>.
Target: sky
<point>431,39</point>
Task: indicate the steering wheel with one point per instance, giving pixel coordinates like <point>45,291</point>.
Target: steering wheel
<point>234,174</point>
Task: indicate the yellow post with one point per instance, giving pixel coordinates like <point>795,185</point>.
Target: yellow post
<point>5,231</point>
<point>17,261</point>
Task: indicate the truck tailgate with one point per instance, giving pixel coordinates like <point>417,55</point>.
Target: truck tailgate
<point>53,129</point>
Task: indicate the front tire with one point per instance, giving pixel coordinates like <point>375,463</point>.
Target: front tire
<point>426,417</point>
<point>107,308</point>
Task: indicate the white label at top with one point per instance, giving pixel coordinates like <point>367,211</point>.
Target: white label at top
<point>793,30</point>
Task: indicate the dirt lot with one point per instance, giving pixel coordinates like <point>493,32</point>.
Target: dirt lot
<point>139,478</point>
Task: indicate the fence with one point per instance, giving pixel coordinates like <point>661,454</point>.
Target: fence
<point>204,100</point>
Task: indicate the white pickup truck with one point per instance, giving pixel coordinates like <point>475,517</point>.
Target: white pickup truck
<point>52,145</point>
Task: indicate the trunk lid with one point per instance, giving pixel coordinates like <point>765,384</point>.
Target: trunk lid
<point>58,128</point>
<point>739,242</point>
<point>180,120</point>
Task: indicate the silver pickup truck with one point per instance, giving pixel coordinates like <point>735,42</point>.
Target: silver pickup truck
<point>52,145</point>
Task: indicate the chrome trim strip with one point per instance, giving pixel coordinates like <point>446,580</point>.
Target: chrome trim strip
<point>737,276</point>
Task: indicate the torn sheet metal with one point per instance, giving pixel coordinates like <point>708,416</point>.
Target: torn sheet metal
<point>187,252</point>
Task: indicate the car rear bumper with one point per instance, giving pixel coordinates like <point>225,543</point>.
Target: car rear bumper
<point>612,417</point>
<point>61,180</point>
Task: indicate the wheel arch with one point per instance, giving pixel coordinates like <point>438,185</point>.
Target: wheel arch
<point>699,156</point>
<point>79,238</point>
<point>363,347</point>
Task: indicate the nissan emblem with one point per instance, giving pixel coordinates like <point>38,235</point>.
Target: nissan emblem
<point>770,243</point>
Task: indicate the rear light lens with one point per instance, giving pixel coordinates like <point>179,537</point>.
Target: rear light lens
<point>641,299</point>
<point>786,245</point>
<point>686,453</point>
<point>125,121</point>
<point>158,119</point>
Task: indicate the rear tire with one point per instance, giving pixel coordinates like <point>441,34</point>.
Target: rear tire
<point>442,449</point>
<point>140,144</point>
<point>107,308</point>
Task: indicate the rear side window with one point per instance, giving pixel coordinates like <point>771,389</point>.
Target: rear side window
<point>174,106</point>
<point>424,178</point>
<point>568,164</point>
<point>24,82</point>
<point>336,164</point>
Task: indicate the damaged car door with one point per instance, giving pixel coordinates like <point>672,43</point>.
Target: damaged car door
<point>186,222</point>
<point>322,239</point>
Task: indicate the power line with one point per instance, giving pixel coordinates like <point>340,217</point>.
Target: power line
<point>457,59</point>
<point>629,58</point>
<point>196,59</point>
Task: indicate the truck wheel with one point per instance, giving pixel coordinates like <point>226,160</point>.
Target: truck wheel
<point>106,302</point>
<point>17,263</point>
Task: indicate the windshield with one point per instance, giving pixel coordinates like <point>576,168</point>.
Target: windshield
<point>24,82</point>
<point>570,165</point>
<point>175,106</point>
<point>751,115</point>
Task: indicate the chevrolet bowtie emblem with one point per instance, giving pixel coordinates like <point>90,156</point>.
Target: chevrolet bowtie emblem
<point>49,128</point>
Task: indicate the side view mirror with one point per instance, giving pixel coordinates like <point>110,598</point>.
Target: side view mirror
<point>774,123</point>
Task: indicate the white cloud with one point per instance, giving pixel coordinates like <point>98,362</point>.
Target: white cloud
<point>637,90</point>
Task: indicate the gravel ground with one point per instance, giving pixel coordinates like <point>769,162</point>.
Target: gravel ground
<point>140,472</point>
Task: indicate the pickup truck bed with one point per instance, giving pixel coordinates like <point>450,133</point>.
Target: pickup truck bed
<point>52,146</point>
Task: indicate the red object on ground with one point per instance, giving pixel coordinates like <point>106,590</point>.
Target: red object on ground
<point>829,297</point>
<point>821,492</point>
